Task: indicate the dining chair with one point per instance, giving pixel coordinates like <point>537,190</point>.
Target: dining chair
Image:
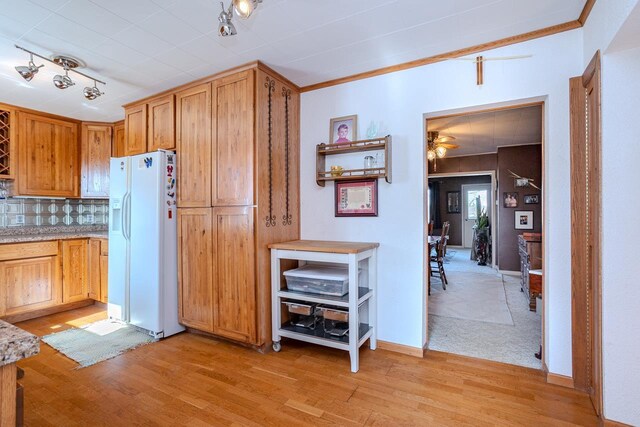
<point>438,258</point>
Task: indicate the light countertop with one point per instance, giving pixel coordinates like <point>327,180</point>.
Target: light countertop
<point>41,234</point>
<point>16,344</point>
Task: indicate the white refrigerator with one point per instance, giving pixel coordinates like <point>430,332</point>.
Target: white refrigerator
<point>143,266</point>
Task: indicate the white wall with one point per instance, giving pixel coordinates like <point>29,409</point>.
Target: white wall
<point>398,101</point>
<point>613,28</point>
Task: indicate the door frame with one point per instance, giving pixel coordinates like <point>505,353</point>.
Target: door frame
<point>586,304</point>
<point>494,190</point>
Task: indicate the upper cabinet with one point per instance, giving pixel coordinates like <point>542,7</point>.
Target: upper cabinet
<point>232,163</point>
<point>7,142</point>
<point>96,152</point>
<point>135,130</point>
<point>193,131</point>
<point>117,149</point>
<point>162,124</point>
<point>49,157</point>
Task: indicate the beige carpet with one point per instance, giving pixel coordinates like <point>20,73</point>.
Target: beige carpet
<point>471,296</point>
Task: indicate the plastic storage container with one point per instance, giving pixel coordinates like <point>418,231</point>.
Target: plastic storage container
<point>302,315</point>
<point>319,279</point>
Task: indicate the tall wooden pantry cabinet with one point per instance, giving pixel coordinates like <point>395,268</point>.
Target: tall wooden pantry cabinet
<point>237,140</point>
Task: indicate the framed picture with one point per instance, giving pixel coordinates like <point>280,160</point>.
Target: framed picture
<point>531,199</point>
<point>524,220</point>
<point>357,198</point>
<point>522,182</point>
<point>510,200</point>
<point>453,202</point>
<point>343,129</point>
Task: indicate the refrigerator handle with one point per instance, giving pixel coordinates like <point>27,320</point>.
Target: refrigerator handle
<point>126,216</point>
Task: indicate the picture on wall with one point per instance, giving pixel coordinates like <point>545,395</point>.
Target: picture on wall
<point>343,129</point>
<point>453,202</point>
<point>357,198</point>
<point>510,200</point>
<point>524,220</point>
<point>531,199</point>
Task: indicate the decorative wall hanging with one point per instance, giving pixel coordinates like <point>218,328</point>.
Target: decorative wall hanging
<point>510,200</point>
<point>270,84</point>
<point>523,181</point>
<point>453,202</point>
<point>286,218</point>
<point>531,199</point>
<point>524,220</point>
<point>357,198</point>
<point>343,130</point>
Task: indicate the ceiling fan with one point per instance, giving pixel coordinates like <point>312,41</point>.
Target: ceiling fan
<point>437,145</point>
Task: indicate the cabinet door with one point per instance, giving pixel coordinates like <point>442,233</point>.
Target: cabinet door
<point>28,284</point>
<point>8,125</point>
<point>162,121</point>
<point>95,274</point>
<point>74,271</point>
<point>48,157</point>
<point>104,278</point>
<point>232,173</point>
<point>234,287</point>
<point>195,269</point>
<point>96,153</point>
<point>135,134</point>
<point>117,149</point>
<point>193,130</point>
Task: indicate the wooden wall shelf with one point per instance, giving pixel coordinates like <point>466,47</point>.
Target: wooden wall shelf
<point>376,144</point>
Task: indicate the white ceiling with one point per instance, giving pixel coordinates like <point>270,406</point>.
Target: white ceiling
<point>141,47</point>
<point>485,132</point>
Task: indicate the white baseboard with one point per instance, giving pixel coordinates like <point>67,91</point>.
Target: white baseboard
<point>509,272</point>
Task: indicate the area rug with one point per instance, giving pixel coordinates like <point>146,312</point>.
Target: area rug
<point>471,296</point>
<point>97,341</point>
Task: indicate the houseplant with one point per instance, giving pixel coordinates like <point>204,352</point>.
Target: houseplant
<point>482,233</point>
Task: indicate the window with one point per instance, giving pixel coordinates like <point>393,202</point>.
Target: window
<point>472,198</point>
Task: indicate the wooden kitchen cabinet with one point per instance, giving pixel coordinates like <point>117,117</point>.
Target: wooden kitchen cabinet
<point>8,131</point>
<point>162,124</point>
<point>49,160</point>
<point>233,152</point>
<point>74,270</point>
<point>135,133</point>
<point>96,154</point>
<point>98,269</point>
<point>29,277</point>
<point>234,284</point>
<point>193,140</point>
<point>195,269</point>
<point>117,149</point>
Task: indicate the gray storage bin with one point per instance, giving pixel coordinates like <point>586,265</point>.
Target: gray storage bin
<point>319,279</point>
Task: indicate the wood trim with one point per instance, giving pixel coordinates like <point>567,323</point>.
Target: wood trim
<point>208,79</point>
<point>488,110</point>
<point>401,348</point>
<point>41,113</point>
<point>612,423</point>
<point>520,38</point>
<point>47,311</point>
<point>8,375</point>
<point>586,11</point>
<point>561,380</point>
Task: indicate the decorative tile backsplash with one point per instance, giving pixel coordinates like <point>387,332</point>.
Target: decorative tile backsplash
<point>28,212</point>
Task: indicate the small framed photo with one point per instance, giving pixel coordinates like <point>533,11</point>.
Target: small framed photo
<point>453,202</point>
<point>510,200</point>
<point>524,220</point>
<point>531,199</point>
<point>357,198</point>
<point>522,182</point>
<point>343,130</point>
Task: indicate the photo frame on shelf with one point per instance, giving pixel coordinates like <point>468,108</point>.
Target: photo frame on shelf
<point>453,202</point>
<point>524,220</point>
<point>356,198</point>
<point>343,130</point>
<point>531,199</point>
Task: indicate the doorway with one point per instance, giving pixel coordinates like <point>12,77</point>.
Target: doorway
<point>490,311</point>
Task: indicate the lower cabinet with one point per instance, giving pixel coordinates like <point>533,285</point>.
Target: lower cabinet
<point>74,270</point>
<point>217,271</point>
<point>98,269</point>
<point>28,284</point>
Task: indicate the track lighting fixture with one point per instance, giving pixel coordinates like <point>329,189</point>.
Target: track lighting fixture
<point>92,93</point>
<point>243,8</point>
<point>225,27</point>
<point>60,81</point>
<point>29,71</point>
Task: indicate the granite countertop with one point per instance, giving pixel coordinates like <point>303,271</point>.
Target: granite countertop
<point>41,234</point>
<point>16,344</point>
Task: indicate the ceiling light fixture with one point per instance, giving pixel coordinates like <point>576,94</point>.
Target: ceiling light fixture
<point>437,146</point>
<point>244,8</point>
<point>225,27</point>
<point>61,82</point>
<point>29,71</point>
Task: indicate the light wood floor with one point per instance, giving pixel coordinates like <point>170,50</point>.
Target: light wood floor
<point>192,380</point>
